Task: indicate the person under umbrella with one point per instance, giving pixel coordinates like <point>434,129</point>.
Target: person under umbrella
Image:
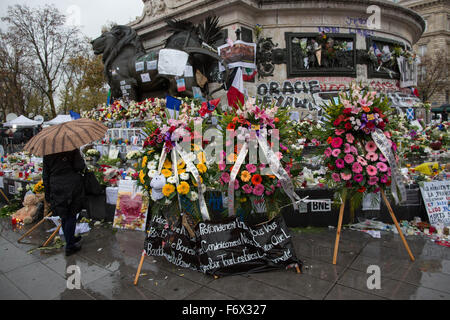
<point>62,170</point>
<point>63,187</point>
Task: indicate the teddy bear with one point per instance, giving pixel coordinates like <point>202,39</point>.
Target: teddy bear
<point>157,185</point>
<point>27,213</point>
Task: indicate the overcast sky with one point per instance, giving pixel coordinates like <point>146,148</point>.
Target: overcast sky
<point>89,15</point>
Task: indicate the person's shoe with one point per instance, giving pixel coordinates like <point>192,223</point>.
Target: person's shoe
<point>74,249</point>
<point>78,239</point>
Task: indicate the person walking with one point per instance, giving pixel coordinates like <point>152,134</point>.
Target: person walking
<point>63,186</point>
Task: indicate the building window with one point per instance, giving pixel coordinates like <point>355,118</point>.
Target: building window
<point>423,50</point>
<point>421,70</point>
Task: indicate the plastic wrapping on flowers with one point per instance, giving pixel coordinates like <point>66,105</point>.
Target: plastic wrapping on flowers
<point>356,164</point>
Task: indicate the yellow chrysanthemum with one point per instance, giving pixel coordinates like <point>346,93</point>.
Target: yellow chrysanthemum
<point>181,171</point>
<point>167,164</point>
<point>144,161</point>
<point>201,157</point>
<point>181,164</point>
<point>232,157</point>
<point>183,188</point>
<point>166,173</point>
<point>141,177</point>
<point>168,189</point>
<point>245,176</point>
<point>243,199</point>
<point>201,168</point>
<point>150,151</point>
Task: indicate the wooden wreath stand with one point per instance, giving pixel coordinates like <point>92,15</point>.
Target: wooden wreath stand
<point>341,214</point>
<point>47,213</point>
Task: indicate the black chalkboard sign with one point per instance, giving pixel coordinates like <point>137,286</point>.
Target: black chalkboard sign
<point>223,248</point>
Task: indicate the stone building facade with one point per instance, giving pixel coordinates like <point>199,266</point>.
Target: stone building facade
<point>284,23</point>
<point>436,36</point>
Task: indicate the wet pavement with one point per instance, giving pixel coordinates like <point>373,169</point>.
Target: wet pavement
<point>109,258</point>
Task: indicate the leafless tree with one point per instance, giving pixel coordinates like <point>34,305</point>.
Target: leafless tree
<point>46,44</point>
<point>433,74</point>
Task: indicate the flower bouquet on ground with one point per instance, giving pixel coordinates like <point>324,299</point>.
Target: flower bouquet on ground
<point>360,155</point>
<point>256,169</point>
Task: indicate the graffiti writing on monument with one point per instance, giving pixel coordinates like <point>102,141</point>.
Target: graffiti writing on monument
<point>307,94</point>
<point>300,94</point>
<point>351,30</point>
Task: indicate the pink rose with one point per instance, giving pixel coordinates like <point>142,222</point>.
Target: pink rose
<point>250,168</point>
<point>371,146</point>
<point>247,188</point>
<point>336,177</point>
<point>356,167</point>
<point>382,166</point>
<point>336,152</point>
<point>346,176</point>
<point>349,137</point>
<point>336,142</point>
<point>349,158</point>
<point>258,190</point>
<point>371,170</point>
<point>225,177</point>
<point>340,163</point>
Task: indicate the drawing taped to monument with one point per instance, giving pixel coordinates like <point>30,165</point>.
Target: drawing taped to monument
<point>228,247</point>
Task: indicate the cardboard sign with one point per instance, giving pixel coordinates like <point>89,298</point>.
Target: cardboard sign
<point>436,196</point>
<point>172,62</point>
<point>139,66</point>
<point>321,206</point>
<point>131,206</point>
<point>188,71</point>
<point>408,73</point>
<point>181,85</point>
<point>145,77</point>
<point>238,54</point>
<point>224,247</point>
<point>152,65</point>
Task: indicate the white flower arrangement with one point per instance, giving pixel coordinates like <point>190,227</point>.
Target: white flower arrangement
<point>93,153</point>
<point>133,155</point>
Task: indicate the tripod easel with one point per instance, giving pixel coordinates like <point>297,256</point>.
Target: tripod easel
<point>47,213</point>
<point>341,214</point>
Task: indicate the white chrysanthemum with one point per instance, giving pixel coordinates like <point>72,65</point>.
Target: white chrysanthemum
<point>156,157</point>
<point>194,196</point>
<point>152,173</point>
<point>171,180</point>
<point>184,176</point>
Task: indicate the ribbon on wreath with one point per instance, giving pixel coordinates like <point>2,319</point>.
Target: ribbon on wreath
<point>239,161</point>
<point>386,148</point>
<point>190,167</point>
<point>275,166</point>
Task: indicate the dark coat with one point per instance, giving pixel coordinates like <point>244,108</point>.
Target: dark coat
<point>63,184</point>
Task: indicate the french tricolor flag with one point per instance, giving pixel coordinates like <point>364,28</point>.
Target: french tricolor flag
<point>235,94</point>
